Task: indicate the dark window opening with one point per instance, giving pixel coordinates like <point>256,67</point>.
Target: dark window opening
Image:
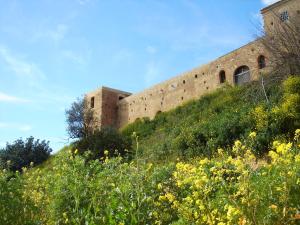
<point>121,97</point>
<point>284,16</point>
<point>242,75</point>
<point>261,62</point>
<point>181,98</point>
<point>207,88</point>
<point>196,76</point>
<point>92,102</point>
<point>183,81</point>
<point>204,82</point>
<point>222,77</point>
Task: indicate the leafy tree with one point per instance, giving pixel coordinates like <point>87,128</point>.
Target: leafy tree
<point>105,139</point>
<point>80,119</point>
<point>22,153</point>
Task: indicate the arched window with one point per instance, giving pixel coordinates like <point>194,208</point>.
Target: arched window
<point>261,62</point>
<point>222,77</point>
<point>242,75</point>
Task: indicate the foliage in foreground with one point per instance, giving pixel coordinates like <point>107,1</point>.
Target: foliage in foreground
<point>23,153</point>
<point>232,188</point>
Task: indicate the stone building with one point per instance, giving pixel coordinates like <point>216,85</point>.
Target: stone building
<point>117,108</point>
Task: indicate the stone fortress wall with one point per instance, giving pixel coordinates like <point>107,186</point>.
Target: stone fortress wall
<point>118,108</point>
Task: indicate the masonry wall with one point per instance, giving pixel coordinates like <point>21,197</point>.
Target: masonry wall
<point>113,111</point>
<point>271,14</point>
<point>190,85</point>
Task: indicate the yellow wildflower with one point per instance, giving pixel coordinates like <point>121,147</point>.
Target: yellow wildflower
<point>283,148</point>
<point>297,134</point>
<point>170,197</point>
<point>273,155</point>
<point>159,186</point>
<point>252,135</point>
<point>276,144</point>
<point>204,161</point>
<point>297,158</point>
<point>162,198</point>
<point>220,151</point>
<point>273,207</point>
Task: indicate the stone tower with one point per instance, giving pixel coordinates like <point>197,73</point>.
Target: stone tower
<point>104,102</point>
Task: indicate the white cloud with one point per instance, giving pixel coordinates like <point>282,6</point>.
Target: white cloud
<point>57,34</point>
<point>25,128</point>
<point>269,2</point>
<point>83,2</point>
<point>151,49</point>
<point>75,57</point>
<point>152,73</point>
<point>16,126</point>
<point>123,56</point>
<point>19,66</point>
<point>9,98</point>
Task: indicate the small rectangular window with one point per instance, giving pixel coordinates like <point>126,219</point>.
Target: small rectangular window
<point>92,102</point>
<point>284,16</point>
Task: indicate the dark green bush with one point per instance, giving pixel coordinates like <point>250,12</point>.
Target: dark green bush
<point>105,139</point>
<point>22,153</point>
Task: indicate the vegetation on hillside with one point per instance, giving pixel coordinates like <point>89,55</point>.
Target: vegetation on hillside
<point>216,120</point>
<point>233,159</point>
<point>108,139</point>
<point>231,188</point>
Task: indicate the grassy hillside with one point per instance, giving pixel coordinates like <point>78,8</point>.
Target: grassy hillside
<point>197,164</point>
<point>215,121</point>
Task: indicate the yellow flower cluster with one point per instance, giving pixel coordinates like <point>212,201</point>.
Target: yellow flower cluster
<point>227,190</point>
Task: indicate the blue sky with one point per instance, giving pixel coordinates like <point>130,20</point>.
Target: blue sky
<point>53,51</point>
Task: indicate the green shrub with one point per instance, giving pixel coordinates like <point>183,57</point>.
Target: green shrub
<point>23,153</point>
<point>292,85</point>
<point>105,139</point>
